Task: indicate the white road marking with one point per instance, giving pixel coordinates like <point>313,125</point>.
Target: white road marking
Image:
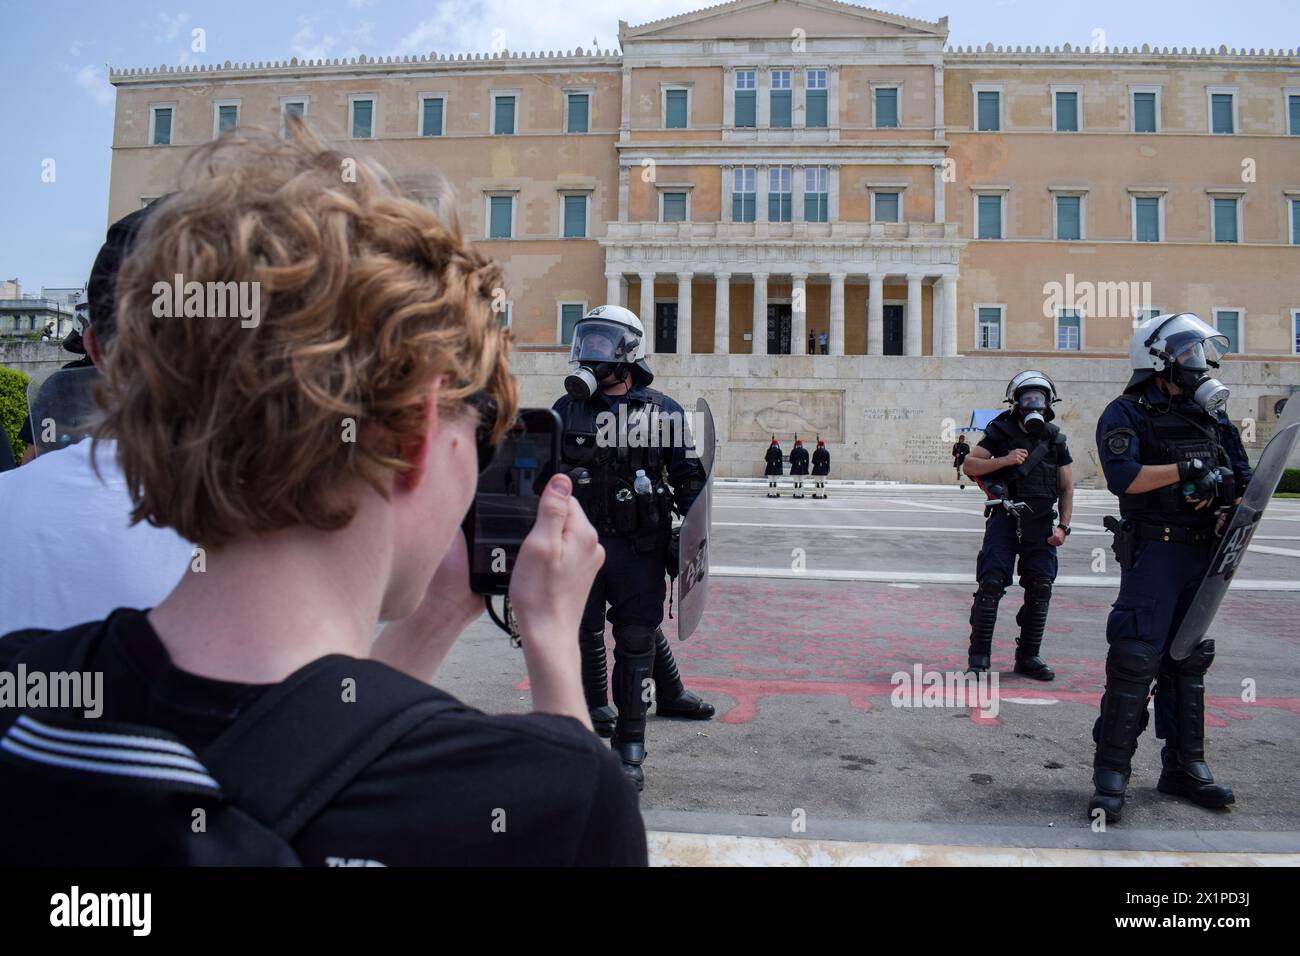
<point>940,577</point>
<point>1028,700</point>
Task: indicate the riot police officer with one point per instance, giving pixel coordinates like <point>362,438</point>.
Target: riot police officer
<point>628,479</point>
<point>821,467</point>
<point>773,467</point>
<point>798,466</point>
<point>1022,460</point>
<point>1176,461</point>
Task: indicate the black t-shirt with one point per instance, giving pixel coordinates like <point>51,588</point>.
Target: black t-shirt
<point>433,797</point>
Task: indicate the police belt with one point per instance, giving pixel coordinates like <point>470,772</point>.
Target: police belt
<point>1175,534</point>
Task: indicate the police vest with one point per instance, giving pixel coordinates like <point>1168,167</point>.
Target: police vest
<point>612,455</point>
<point>1043,481</point>
<point>1171,437</point>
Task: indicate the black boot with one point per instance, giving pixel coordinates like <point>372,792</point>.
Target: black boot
<point>591,644</point>
<point>672,699</point>
<point>1032,619</point>
<point>1130,667</point>
<point>1184,771</point>
<point>634,660</point>
<point>983,619</point>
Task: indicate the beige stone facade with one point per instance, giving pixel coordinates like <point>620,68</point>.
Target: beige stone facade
<point>757,171</point>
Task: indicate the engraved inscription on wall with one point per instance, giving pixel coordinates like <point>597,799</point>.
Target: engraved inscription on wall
<point>759,413</point>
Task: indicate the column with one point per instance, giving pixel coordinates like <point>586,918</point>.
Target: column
<point>949,315</point>
<point>836,340</point>
<point>799,315</point>
<point>623,185</point>
<point>936,317</point>
<point>760,193</point>
<point>613,288</point>
<point>760,313</point>
<point>912,325</point>
<point>722,314</point>
<point>797,184</point>
<point>728,183</point>
<point>939,194</point>
<point>763,94</point>
<point>876,314</point>
<point>684,312</point>
<point>647,314</point>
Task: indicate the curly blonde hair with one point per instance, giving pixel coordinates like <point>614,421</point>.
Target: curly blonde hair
<point>366,297</point>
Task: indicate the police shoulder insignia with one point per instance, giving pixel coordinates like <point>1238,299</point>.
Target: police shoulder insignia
<point>1118,440</point>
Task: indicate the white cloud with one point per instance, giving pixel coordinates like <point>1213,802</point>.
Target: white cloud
<point>94,80</point>
<point>308,44</point>
<point>360,4</point>
<point>171,26</point>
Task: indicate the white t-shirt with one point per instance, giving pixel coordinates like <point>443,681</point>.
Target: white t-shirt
<point>67,551</point>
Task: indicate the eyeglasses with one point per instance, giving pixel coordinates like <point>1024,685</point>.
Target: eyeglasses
<point>486,407</point>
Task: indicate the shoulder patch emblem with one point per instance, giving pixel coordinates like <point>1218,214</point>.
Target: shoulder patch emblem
<point>1119,440</point>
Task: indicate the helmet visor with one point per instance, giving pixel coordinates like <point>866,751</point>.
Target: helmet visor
<point>596,340</point>
<point>1193,350</point>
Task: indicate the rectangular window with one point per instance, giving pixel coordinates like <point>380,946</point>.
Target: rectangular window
<point>1225,220</point>
<point>162,126</point>
<point>746,99</point>
<point>363,114</point>
<point>502,212</point>
<point>1221,113</point>
<point>575,217</point>
<point>1295,329</point>
<point>1144,112</point>
<point>570,315</point>
<point>816,194</point>
<point>674,206</point>
<point>1293,114</point>
<point>289,108</point>
<point>431,116</point>
<point>1069,223</point>
<point>778,194</point>
<point>1067,111</point>
<point>1146,213</point>
<point>675,109</point>
<point>503,115</point>
<point>990,217</point>
<point>885,207</point>
<point>1069,331</point>
<point>887,107</point>
<point>990,328</point>
<point>1295,222</point>
<point>227,117</point>
<point>782,99</point>
<point>1228,322</point>
<point>990,108</point>
<point>579,121</point>
<point>743,194</point>
<point>815,106</point>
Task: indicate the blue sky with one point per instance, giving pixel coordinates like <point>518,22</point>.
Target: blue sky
<point>59,105</point>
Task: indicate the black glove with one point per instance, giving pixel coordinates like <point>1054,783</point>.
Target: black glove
<point>1208,487</point>
<point>1192,469</point>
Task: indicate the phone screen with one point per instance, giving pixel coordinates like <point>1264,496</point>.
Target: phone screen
<point>505,504</point>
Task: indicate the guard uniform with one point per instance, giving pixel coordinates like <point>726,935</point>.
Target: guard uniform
<point>774,467</point>
<point>798,466</point>
<point>821,467</point>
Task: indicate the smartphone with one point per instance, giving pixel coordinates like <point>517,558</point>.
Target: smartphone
<point>505,503</point>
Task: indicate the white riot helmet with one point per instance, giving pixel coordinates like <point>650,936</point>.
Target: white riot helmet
<point>1183,349</point>
<point>1031,394</point>
<point>73,341</point>
<point>605,338</point>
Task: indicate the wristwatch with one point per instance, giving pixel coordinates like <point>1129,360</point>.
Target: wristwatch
<point>1065,528</point>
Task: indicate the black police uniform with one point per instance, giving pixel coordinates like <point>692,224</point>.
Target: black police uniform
<point>821,467</point>
<point>1038,486</point>
<point>798,467</point>
<point>959,452</point>
<point>1165,545</point>
<point>635,532</point>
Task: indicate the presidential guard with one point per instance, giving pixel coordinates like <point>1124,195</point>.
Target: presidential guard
<point>821,467</point>
<point>1171,454</point>
<point>798,466</point>
<point>774,467</point>
<point>1023,464</point>
<point>625,447</point>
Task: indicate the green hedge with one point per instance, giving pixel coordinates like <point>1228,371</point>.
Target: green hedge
<point>1290,480</point>
<point>13,405</point>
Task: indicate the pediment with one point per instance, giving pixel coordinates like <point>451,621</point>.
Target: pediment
<point>742,19</point>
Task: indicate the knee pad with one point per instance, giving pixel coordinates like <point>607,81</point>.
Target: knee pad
<point>1197,663</point>
<point>1130,660</point>
<point>992,585</point>
<point>1038,589</point>
<point>634,639</point>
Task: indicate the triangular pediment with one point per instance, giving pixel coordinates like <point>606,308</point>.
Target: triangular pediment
<point>742,19</point>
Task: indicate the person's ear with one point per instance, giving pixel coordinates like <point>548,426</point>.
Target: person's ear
<point>90,342</point>
<point>415,451</point>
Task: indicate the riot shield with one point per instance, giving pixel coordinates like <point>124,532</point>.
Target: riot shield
<point>1236,537</point>
<point>693,546</point>
<point>62,408</point>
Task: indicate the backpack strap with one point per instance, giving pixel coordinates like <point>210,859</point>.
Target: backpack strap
<point>302,743</point>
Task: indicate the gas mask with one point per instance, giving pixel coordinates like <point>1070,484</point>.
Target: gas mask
<point>1190,372</point>
<point>588,377</point>
<point>1034,410</point>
